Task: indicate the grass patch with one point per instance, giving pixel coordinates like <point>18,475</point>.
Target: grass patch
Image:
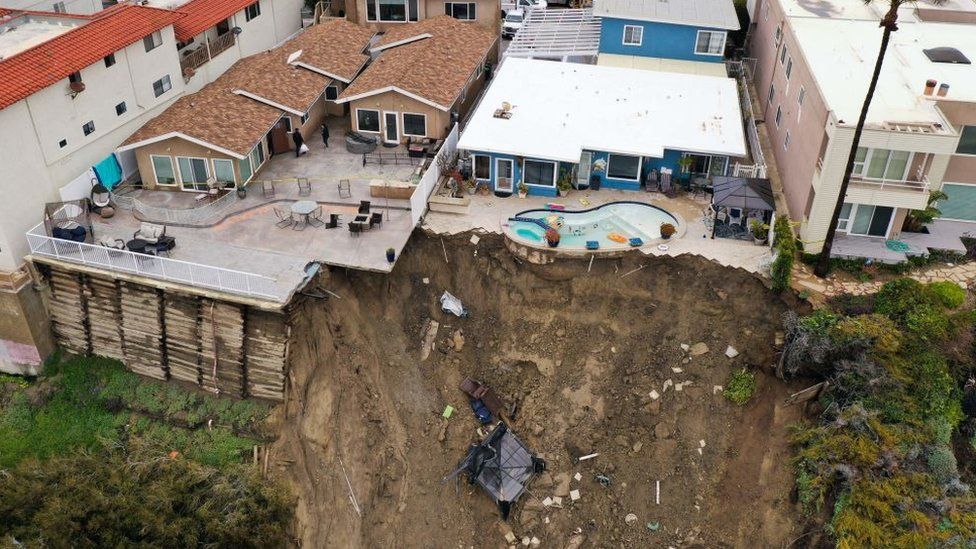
<point>740,387</point>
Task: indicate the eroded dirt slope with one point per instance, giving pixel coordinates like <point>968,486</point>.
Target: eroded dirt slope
<point>581,352</point>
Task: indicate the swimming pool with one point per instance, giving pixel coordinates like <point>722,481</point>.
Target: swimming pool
<point>607,225</point>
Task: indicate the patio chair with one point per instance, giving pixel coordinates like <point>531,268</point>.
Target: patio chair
<point>300,222</point>
<point>268,187</point>
<point>304,186</point>
<point>376,218</point>
<point>345,190</point>
<point>285,218</point>
<point>364,206</point>
<point>150,232</point>
<point>735,217</point>
<point>315,218</point>
<point>333,221</point>
<point>114,243</point>
<point>355,228</point>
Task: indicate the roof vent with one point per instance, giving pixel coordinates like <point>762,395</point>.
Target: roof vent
<point>505,112</point>
<point>946,55</point>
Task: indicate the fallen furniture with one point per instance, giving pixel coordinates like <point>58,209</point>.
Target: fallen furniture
<point>479,391</point>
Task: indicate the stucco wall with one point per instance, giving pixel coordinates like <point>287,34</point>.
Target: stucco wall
<point>487,13</point>
<point>438,121</point>
<point>659,40</point>
<point>175,147</point>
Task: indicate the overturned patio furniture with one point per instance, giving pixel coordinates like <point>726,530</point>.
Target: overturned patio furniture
<point>478,391</point>
<point>502,465</point>
<point>357,143</point>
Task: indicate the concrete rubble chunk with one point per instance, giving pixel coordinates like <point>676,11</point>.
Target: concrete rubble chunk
<point>667,383</point>
<point>654,395</point>
<point>630,519</point>
<point>698,349</point>
<point>685,347</point>
<point>677,370</point>
<point>535,542</point>
<point>578,477</point>
<point>717,389</point>
<point>731,352</point>
<point>574,495</point>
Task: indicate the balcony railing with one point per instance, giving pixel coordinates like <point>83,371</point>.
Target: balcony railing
<point>921,185</point>
<point>211,49</point>
<point>161,268</point>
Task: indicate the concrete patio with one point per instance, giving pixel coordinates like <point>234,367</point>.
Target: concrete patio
<point>942,236</point>
<point>487,213</point>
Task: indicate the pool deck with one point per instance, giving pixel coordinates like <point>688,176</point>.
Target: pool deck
<point>489,213</point>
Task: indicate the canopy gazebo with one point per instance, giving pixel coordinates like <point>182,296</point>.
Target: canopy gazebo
<point>742,196</point>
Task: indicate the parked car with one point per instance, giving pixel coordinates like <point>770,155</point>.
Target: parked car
<point>512,23</point>
<point>524,5</point>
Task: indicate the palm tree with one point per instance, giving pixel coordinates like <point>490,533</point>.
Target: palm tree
<point>888,24</point>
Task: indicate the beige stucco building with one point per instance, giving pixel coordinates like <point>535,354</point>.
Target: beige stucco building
<point>390,14</point>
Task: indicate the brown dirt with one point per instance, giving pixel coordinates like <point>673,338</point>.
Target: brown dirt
<point>580,352</point>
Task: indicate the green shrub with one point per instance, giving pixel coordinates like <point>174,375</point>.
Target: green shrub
<point>878,332</point>
<point>740,387</point>
<point>950,294</point>
<point>900,296</point>
<point>928,323</point>
<point>942,463</point>
<point>785,242</point>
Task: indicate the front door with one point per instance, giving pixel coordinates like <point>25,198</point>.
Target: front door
<point>583,171</point>
<point>391,133</point>
<point>279,141</point>
<point>503,175</point>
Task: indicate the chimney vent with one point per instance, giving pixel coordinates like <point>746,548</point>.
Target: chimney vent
<point>930,86</point>
<point>943,89</point>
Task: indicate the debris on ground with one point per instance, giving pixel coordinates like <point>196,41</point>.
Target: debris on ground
<point>698,349</point>
<point>731,352</point>
<point>429,336</point>
<point>453,305</point>
<point>479,391</point>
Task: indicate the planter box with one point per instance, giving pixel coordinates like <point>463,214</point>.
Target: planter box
<point>392,189</point>
<point>447,204</point>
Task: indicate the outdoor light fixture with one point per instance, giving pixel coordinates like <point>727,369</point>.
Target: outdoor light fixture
<point>236,30</point>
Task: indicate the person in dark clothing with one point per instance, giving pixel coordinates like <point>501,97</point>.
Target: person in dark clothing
<point>325,135</point>
<point>296,136</point>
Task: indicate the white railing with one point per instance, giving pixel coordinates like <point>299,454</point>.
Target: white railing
<point>420,196</point>
<point>887,184</point>
<point>188,217</point>
<point>161,268</point>
<point>742,72</point>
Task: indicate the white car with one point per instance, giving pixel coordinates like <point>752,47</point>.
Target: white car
<point>512,23</point>
<point>523,5</point>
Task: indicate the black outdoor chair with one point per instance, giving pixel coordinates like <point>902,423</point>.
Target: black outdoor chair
<point>364,206</point>
<point>333,221</point>
<point>355,228</point>
<point>376,218</point>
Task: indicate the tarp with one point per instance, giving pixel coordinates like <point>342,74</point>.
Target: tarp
<point>108,171</point>
<point>748,193</point>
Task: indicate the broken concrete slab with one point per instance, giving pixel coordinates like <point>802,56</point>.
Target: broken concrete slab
<point>698,349</point>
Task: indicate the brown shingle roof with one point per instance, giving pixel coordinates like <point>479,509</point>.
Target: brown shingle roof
<point>335,46</point>
<point>269,76</point>
<point>435,68</point>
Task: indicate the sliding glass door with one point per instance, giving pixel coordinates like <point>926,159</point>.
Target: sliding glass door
<point>869,220</point>
<point>194,173</point>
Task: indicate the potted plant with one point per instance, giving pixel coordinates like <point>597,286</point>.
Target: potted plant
<point>523,189</point>
<point>242,192</point>
<point>759,230</point>
<point>552,237</point>
<point>685,163</point>
<point>564,184</point>
<point>470,186</point>
<point>483,188</point>
<point>667,230</point>
<point>390,255</point>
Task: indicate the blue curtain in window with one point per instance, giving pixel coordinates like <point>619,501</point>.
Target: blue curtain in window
<point>108,171</point>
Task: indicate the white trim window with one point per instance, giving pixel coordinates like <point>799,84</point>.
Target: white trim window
<point>710,43</point>
<point>789,67</point>
<point>244,165</point>
<point>368,120</point>
<point>633,35</point>
<point>331,92</point>
<point>779,115</point>
<point>256,157</point>
<point>482,167</point>
<point>153,41</point>
<point>286,120</point>
<point>391,11</point>
<point>163,171</point>
<point>624,167</point>
<point>882,164</point>
<point>541,173</point>
<point>88,127</point>
<point>193,172</point>
<point>414,124</point>
<point>504,174</point>
<point>866,220</point>
<point>223,170</point>
<point>252,11</point>
<point>465,11</point>
<point>162,86</point>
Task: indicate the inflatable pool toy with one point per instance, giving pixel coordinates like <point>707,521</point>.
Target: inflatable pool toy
<point>617,237</point>
<point>555,221</point>
<point>662,247</point>
<point>592,245</point>
<point>584,202</point>
<point>556,206</point>
<point>636,242</point>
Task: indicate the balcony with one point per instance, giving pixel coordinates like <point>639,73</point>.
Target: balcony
<point>212,48</point>
<point>919,183</point>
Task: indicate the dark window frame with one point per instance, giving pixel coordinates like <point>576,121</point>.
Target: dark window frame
<point>252,11</point>
<point>88,128</point>
<point>407,130</point>
<point>359,120</point>
<point>121,109</point>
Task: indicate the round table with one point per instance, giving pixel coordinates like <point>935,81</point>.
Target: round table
<point>303,207</point>
<point>137,245</point>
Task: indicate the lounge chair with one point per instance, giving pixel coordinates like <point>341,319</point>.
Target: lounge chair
<point>345,190</point>
<point>150,232</point>
<point>285,219</point>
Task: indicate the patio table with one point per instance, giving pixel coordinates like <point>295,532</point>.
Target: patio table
<point>304,208</point>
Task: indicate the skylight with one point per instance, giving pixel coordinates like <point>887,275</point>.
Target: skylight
<point>946,55</point>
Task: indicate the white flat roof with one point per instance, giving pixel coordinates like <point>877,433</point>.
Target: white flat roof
<point>29,33</point>
<point>841,55</point>
<point>718,14</point>
<point>857,9</point>
<point>561,109</point>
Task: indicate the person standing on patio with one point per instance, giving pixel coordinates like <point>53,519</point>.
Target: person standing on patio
<point>325,135</point>
<point>296,136</point>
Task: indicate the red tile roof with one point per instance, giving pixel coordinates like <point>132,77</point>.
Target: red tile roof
<point>203,14</point>
<point>105,32</point>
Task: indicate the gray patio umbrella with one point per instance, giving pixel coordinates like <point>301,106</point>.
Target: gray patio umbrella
<point>746,193</point>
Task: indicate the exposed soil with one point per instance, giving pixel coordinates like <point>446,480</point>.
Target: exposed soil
<point>580,352</point>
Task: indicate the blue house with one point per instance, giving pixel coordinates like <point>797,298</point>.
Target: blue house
<point>596,125</point>
<point>677,35</point>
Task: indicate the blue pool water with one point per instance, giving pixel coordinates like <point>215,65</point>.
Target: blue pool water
<point>627,219</point>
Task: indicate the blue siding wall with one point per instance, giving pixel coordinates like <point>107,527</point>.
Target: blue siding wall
<point>517,175</point>
<point>659,40</point>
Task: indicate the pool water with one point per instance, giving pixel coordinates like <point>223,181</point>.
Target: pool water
<point>617,219</point>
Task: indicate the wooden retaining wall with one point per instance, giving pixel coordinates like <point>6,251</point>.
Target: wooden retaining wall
<point>221,346</point>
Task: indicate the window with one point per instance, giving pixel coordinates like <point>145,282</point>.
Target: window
<point>109,60</point>
<point>74,77</point>
<point>88,128</point>
<point>163,170</point>
<point>161,86</point>
<point>256,158</point>
<point>967,141</point>
<point>368,120</point>
<point>621,166</point>
<point>799,102</point>
<point>539,172</point>
<point>782,54</point>
<point>58,7</point>
<point>482,167</point>
<point>414,124</point>
<point>63,143</point>
<point>777,34</point>
<point>710,43</point>
<point>789,67</point>
<point>464,11</point>
<point>224,170</point>
<point>633,35</point>
<point>194,172</point>
<point>786,142</point>
<point>870,220</point>
<point>332,93</point>
<point>779,115</point>
<point>286,123</point>
<point>244,165</point>
<point>845,216</point>
<point>304,118</point>
<point>882,164</point>
<point>252,11</point>
<point>394,11</point>
<point>153,41</point>
<point>772,93</point>
<point>120,109</point>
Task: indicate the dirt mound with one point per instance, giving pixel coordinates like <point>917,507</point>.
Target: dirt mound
<point>583,353</point>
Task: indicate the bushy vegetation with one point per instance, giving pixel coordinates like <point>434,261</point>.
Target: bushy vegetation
<point>785,243</point>
<point>94,454</point>
<point>740,387</point>
<point>880,457</point>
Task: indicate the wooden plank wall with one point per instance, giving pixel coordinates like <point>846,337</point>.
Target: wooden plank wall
<point>221,346</point>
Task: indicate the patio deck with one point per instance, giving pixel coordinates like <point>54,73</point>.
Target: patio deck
<point>487,213</point>
<point>942,235</point>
